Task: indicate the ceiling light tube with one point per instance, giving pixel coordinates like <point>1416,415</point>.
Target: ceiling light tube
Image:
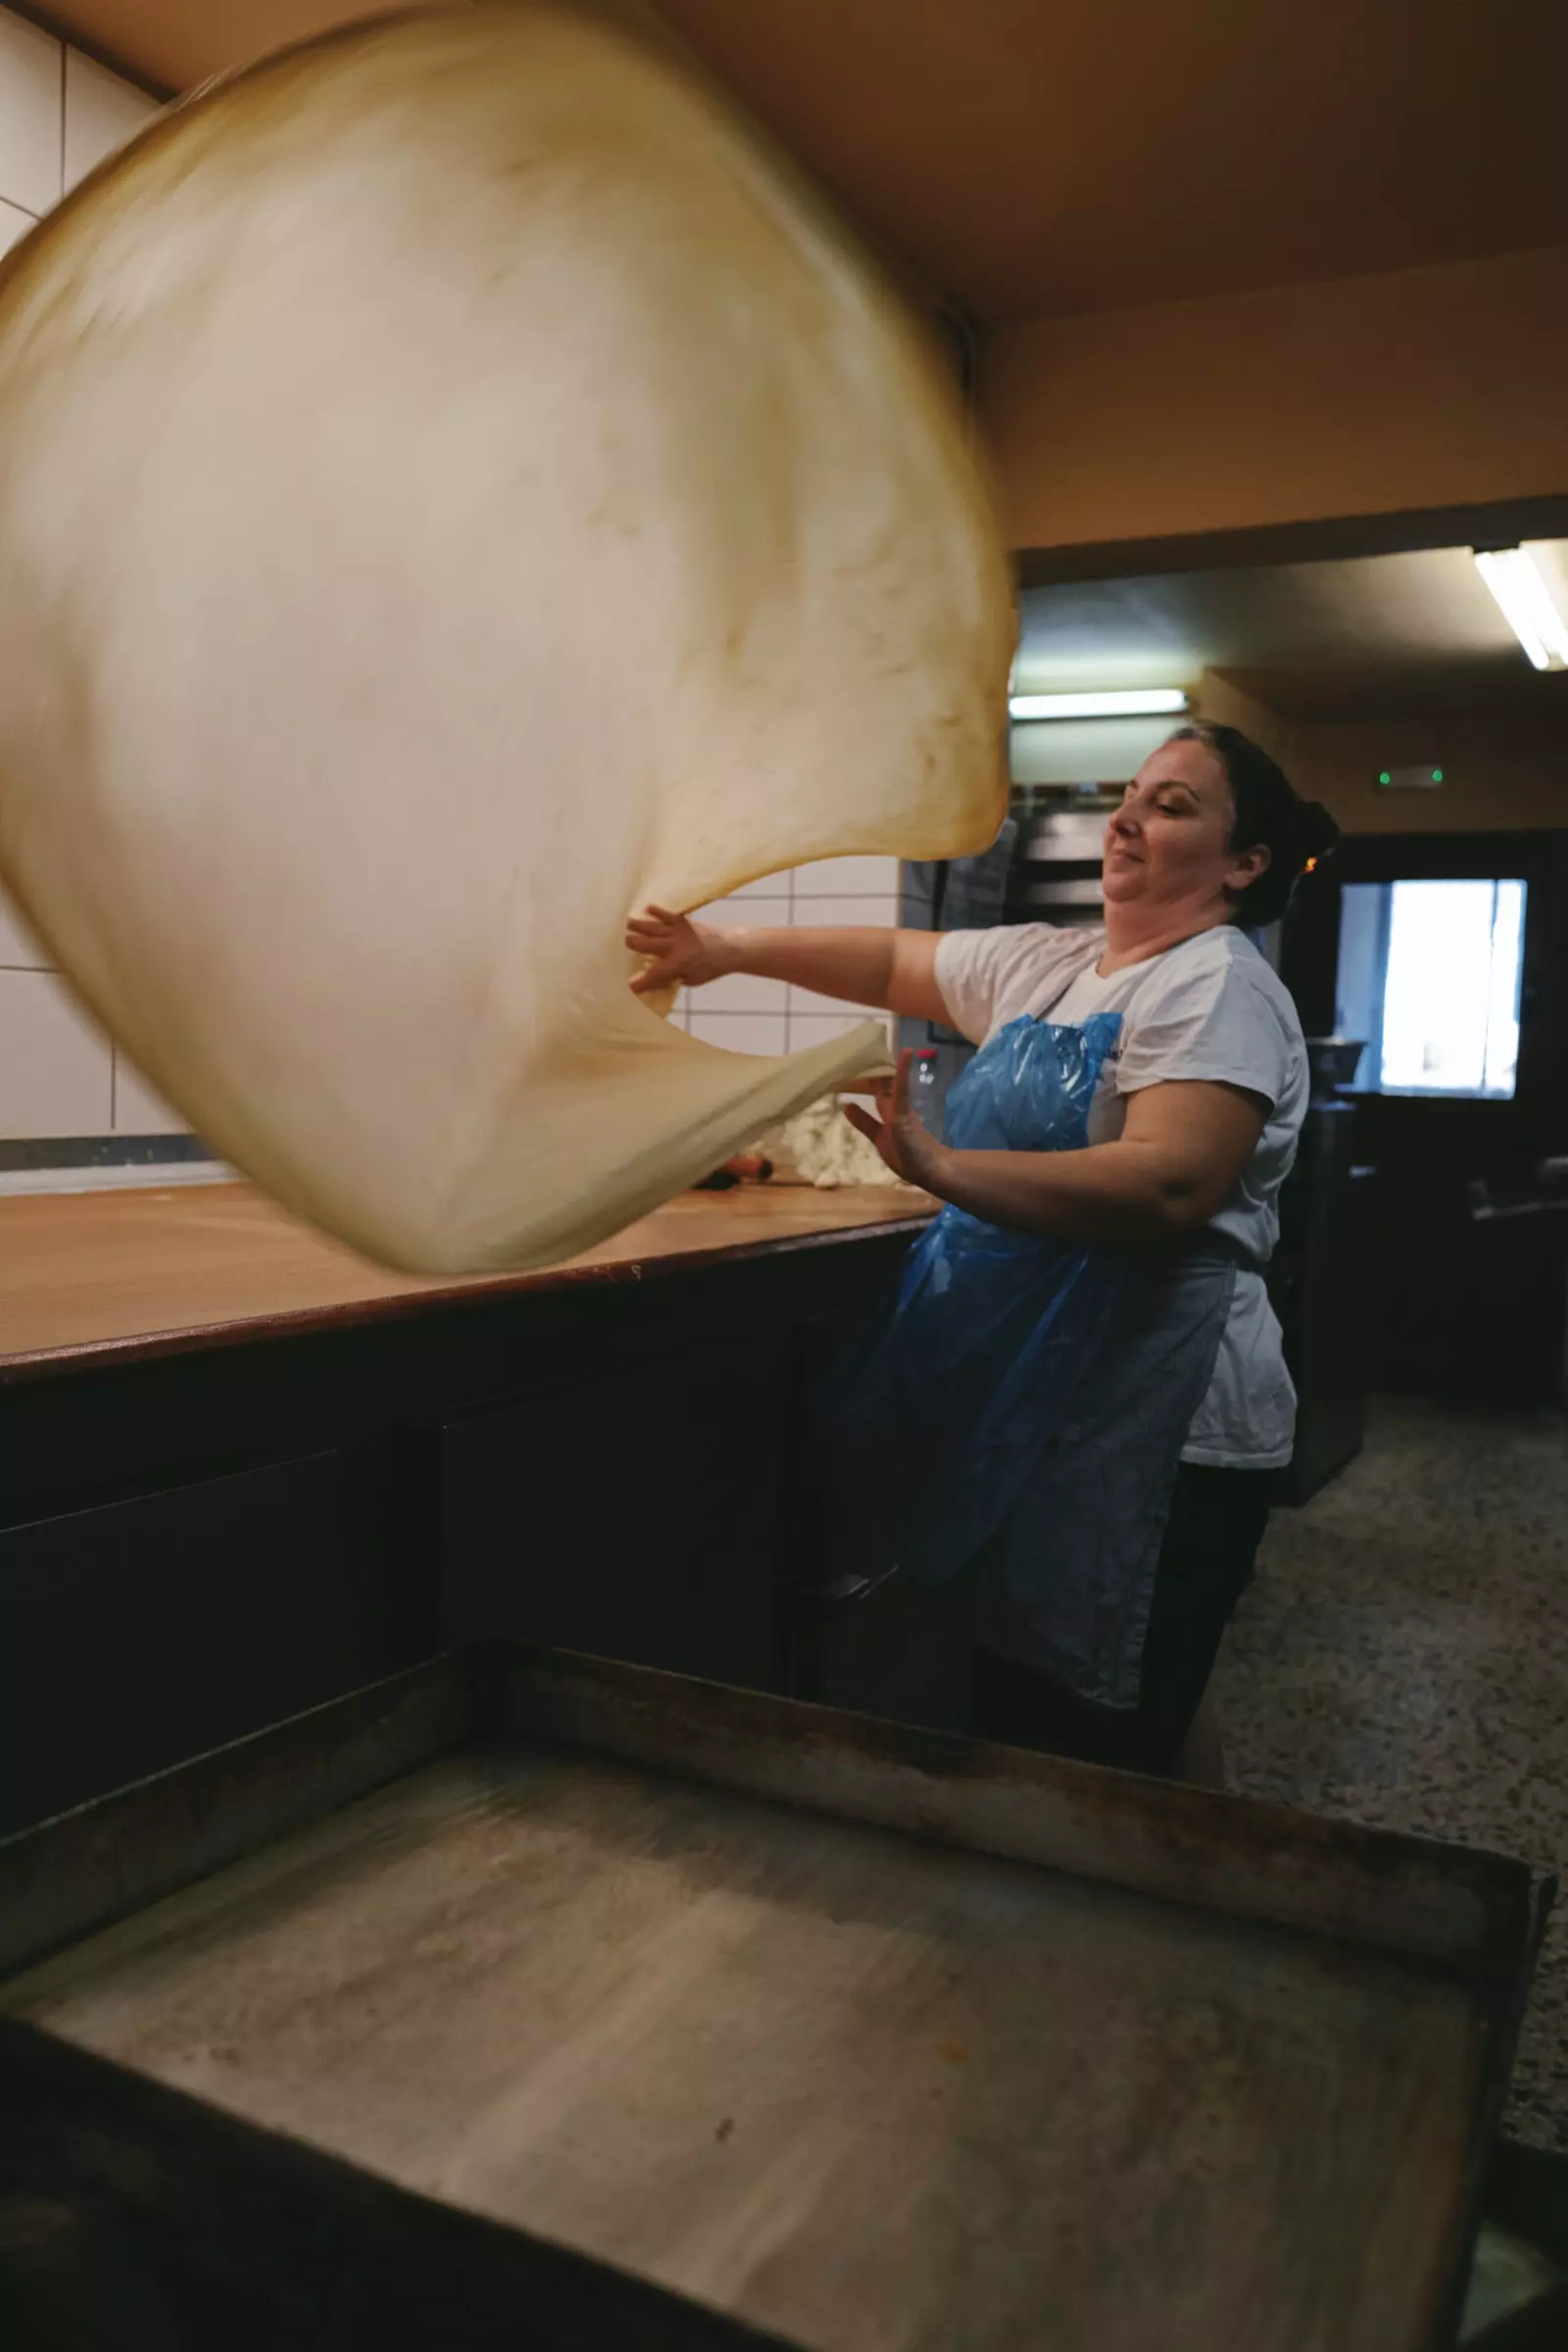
<point>1141,702</point>
<point>1526,604</point>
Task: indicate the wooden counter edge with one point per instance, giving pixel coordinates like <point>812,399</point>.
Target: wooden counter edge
<point>297,1322</point>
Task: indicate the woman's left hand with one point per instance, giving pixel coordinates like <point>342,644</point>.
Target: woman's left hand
<point>910,1149</point>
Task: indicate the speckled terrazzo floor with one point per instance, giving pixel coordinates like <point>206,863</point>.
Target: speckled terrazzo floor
<point>1402,1658</point>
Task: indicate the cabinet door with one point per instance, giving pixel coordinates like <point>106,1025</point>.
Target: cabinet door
<point>858,1634</point>
<point>142,1632</point>
<point>633,1515</point>
<point>893,1648</point>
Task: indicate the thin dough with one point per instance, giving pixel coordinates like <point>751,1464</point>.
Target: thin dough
<point>456,487</point>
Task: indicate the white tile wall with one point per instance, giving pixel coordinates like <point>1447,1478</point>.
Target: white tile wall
<point>31,115</point>
<point>882,908</point>
<point>766,903</point>
<point>54,1072</point>
<point>742,992</point>
<point>847,878</point>
<point>751,907</point>
<point>102,113</point>
<point>838,890</point>
<point>741,1031</point>
<point>803,1001</point>
<point>18,949</point>
<point>764,1016</point>
<point>60,115</point>
<point>137,1109</point>
<point>815,1028</point>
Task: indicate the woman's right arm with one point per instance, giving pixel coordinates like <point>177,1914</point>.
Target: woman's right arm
<point>896,970</point>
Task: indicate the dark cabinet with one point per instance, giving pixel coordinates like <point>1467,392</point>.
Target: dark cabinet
<point>858,1634</point>
<point>882,1645</point>
<point>207,1541</point>
<point>140,1632</point>
<point>635,1514</point>
<point>1319,1283</point>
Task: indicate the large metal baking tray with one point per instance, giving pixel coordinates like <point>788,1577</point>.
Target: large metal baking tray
<point>535,2001</point>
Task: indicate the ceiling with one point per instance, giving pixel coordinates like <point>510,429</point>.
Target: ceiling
<point>1035,160</point>
<point>1383,636</point>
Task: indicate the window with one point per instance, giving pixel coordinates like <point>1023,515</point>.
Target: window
<point>1429,975</point>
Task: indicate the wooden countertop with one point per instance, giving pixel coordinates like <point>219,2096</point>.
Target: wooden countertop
<point>113,1276</point>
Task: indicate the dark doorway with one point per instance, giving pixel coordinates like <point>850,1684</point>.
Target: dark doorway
<point>1459,1309</point>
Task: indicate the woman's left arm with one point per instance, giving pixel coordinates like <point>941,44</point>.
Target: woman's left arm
<point>1175,1162</point>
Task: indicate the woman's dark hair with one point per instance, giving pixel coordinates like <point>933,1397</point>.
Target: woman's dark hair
<point>1296,833</point>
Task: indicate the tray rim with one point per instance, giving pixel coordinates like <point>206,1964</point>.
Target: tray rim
<point>1463,1908</point>
<point>1471,1914</point>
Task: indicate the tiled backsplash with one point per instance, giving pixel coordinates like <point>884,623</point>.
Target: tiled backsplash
<point>100,113</point>
<point>767,1016</point>
<point>60,115</point>
<point>59,1076</point>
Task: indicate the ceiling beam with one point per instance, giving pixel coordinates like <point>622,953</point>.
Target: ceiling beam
<point>1212,422</point>
<point>1503,523</point>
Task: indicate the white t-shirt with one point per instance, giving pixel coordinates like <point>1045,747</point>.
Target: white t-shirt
<point>1210,1009</point>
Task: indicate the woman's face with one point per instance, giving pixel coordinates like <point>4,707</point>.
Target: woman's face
<point>1169,845</point>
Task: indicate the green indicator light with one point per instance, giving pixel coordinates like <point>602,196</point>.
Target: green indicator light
<point>1437,775</point>
<point>1384,778</point>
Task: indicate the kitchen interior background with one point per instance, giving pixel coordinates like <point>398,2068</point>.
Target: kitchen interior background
<point>1348,670</point>
<point>1223,361</point>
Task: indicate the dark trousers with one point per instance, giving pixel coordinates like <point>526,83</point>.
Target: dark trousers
<point>1211,1537</point>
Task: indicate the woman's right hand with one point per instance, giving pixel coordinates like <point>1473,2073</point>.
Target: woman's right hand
<point>683,954</point>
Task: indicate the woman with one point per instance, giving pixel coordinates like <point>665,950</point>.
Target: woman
<point>1097,1639</point>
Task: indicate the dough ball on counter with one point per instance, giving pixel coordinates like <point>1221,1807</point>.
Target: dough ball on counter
<point>456,486</point>
<point>817,1145</point>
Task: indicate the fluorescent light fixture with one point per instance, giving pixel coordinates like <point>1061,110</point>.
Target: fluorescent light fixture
<point>1526,604</point>
<point>1139,702</point>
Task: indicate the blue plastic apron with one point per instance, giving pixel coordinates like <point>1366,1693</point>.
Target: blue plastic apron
<point>1026,1401</point>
